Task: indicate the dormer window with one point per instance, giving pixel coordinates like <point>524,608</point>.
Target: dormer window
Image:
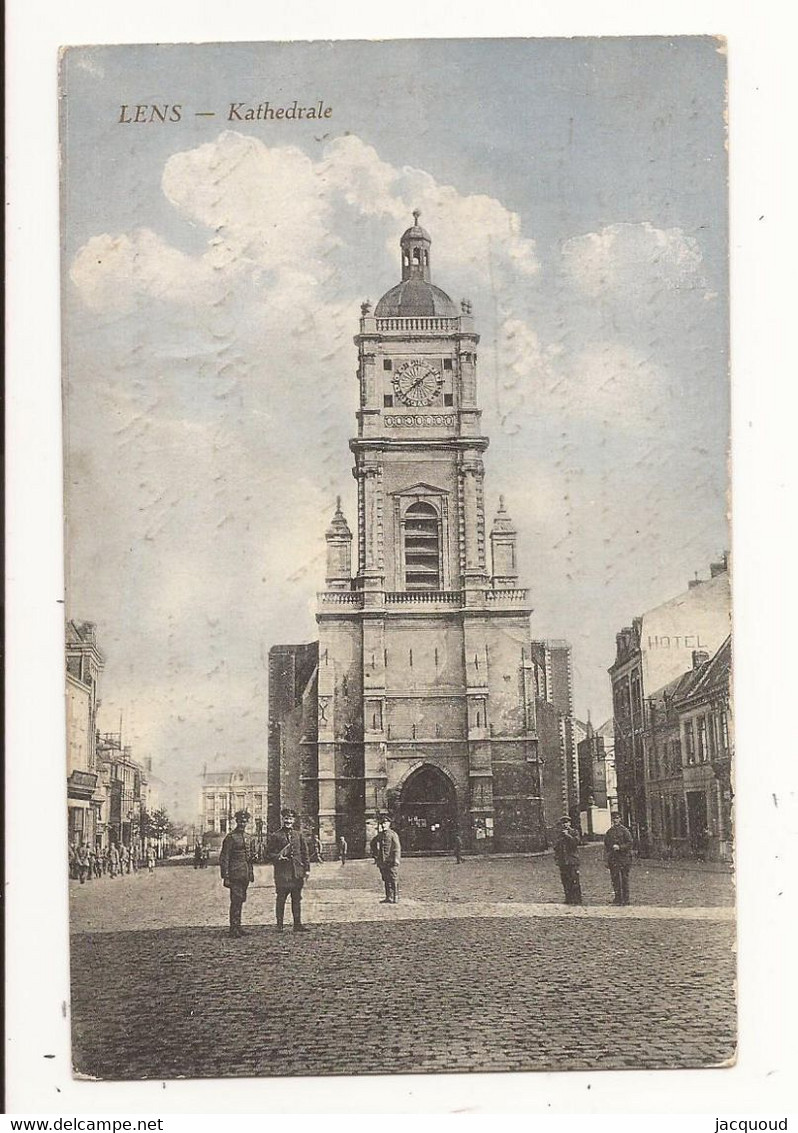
<point>422,548</point>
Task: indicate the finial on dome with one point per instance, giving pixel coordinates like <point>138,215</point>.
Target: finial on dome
<point>338,505</point>
<point>416,215</point>
<point>501,503</point>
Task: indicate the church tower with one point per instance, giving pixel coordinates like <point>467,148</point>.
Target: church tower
<point>426,684</point>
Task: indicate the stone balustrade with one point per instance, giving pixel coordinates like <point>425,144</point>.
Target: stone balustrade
<point>442,325</point>
<point>424,598</point>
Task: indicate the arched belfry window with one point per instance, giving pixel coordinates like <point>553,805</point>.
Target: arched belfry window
<point>422,548</point>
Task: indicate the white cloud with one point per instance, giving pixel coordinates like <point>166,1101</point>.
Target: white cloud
<point>623,258</point>
<point>276,219</point>
<point>114,273</point>
<point>607,382</point>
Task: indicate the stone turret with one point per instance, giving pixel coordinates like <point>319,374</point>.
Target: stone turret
<point>502,546</point>
<point>339,552</point>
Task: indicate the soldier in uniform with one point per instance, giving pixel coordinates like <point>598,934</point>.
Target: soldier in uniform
<point>566,855</point>
<point>618,858</point>
<point>82,860</point>
<point>288,852</point>
<point>386,849</point>
<point>235,866</point>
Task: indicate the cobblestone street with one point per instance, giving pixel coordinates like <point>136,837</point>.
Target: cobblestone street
<point>479,967</point>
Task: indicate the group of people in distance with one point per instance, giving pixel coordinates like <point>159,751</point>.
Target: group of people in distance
<point>290,855</point>
<point>617,858</point>
<point>87,862</point>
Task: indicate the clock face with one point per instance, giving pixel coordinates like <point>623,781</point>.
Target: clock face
<point>417,383</point>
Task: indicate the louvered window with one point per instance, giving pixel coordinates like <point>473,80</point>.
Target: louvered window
<point>422,548</point>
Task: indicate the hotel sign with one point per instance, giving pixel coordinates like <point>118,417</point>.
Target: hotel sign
<point>675,641</point>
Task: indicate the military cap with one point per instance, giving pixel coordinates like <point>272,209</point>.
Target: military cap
<point>565,818</point>
<point>286,812</point>
<point>242,816</point>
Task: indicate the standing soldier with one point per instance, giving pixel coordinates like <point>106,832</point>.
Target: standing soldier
<point>458,846</point>
<point>566,855</point>
<point>386,850</point>
<point>82,860</point>
<point>343,849</point>
<point>235,866</point>
<point>114,859</point>
<point>288,852</point>
<point>618,857</point>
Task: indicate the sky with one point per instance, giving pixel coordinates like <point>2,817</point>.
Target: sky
<point>575,191</point>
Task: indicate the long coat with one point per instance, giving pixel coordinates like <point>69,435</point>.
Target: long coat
<point>386,849</point>
<point>566,848</point>
<point>295,865</point>
<point>622,838</point>
<point>235,863</point>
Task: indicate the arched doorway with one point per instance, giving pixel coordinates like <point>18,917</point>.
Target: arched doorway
<point>427,818</point>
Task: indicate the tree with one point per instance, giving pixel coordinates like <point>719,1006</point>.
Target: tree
<point>158,824</point>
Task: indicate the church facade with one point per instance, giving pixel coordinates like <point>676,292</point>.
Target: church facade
<point>423,694</point>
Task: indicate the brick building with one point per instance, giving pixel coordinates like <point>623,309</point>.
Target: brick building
<point>85,795</point>
<point>424,695</point>
<point>652,655</point>
<point>125,789</point>
<point>292,724</point>
<point>706,725</point>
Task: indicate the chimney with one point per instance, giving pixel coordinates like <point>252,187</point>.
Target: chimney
<point>720,567</point>
<point>623,640</point>
<point>700,657</point>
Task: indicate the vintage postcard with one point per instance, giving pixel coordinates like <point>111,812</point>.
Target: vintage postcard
<point>398,616</point>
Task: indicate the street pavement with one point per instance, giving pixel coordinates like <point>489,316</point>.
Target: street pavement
<point>479,967</point>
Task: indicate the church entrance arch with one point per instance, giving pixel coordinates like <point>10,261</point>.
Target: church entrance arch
<point>427,817</point>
